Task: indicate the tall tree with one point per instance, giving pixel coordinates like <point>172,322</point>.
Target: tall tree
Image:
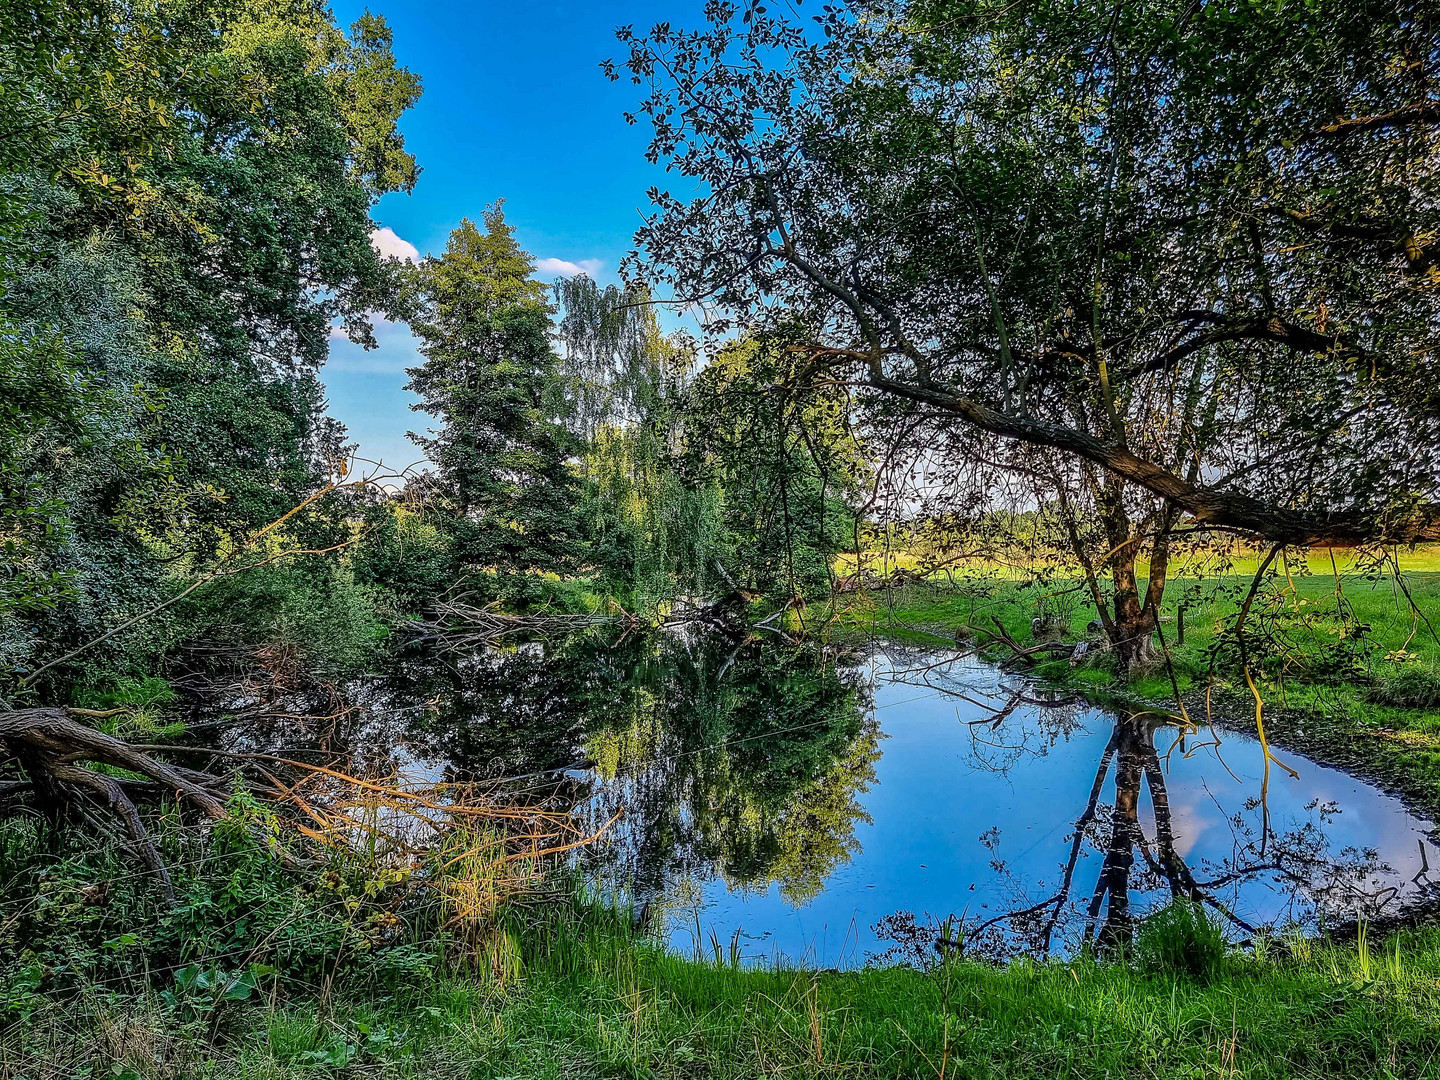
<point>1175,260</point>
<point>652,532</point>
<point>501,451</point>
<point>194,181</point>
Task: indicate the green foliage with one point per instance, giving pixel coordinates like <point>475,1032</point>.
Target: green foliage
<point>596,1001</point>
<point>312,608</point>
<point>652,532</point>
<point>196,180</point>
<point>490,378</point>
<point>783,461</point>
<point>1182,939</point>
<point>1034,232</point>
<point>40,388</point>
<point>406,555</point>
<point>115,691</point>
<point>83,915</point>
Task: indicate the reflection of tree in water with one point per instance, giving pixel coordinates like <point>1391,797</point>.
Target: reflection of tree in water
<point>1018,720</point>
<point>521,709</point>
<point>752,761</point>
<point>1135,859</point>
<point>748,759</point>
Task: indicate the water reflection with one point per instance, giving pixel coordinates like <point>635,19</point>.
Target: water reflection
<point>822,805</point>
<point>751,764</point>
<point>748,762</point>
<point>1261,857</point>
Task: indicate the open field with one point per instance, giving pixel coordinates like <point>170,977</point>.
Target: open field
<point>1189,564</point>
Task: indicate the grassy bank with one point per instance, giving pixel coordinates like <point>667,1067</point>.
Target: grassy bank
<point>348,969</point>
<point>1348,670</point>
<point>1187,564</point>
<point>581,996</point>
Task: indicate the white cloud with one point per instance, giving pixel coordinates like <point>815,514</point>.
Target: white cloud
<point>565,268</point>
<point>387,243</point>
<point>396,349</point>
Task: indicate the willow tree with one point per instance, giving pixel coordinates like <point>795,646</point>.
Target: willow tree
<point>1173,262</point>
<point>652,533</point>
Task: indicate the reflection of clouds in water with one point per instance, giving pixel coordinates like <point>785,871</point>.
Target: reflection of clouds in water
<point>1366,818</point>
<point>1350,813</point>
<point>1193,818</point>
<point>1342,817</point>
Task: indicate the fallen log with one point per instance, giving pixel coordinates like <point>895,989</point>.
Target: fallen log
<point>64,762</point>
<point>57,754</point>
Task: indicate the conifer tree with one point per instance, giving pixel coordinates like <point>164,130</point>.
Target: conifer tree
<point>490,378</point>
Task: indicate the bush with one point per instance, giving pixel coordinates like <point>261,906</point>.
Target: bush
<point>1181,939</point>
<point>311,607</point>
<point>1414,686</point>
<point>407,557</point>
<point>109,690</point>
<point>83,912</point>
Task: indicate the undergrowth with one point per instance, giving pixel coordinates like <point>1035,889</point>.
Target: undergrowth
<point>262,972</point>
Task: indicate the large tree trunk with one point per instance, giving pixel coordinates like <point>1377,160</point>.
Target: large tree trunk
<point>56,753</point>
<point>1131,627</point>
<point>1128,619</point>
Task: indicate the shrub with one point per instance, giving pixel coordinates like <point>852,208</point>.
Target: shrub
<point>311,607</point>
<point>109,690</point>
<point>407,557</point>
<point>1181,939</point>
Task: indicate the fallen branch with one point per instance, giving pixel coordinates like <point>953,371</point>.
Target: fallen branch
<point>68,768</point>
<point>460,625</point>
<point>1022,654</point>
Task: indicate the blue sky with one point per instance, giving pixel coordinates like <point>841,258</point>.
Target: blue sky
<point>514,107</point>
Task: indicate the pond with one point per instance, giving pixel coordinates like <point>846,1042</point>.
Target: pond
<point>832,807</point>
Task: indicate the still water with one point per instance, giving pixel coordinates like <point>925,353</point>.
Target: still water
<point>831,808</point>
<point>967,804</point>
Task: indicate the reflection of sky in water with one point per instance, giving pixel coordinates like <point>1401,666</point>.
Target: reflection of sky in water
<point>941,784</point>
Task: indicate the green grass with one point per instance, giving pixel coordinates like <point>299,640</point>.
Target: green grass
<point>592,1001</point>
<point>1367,701</point>
<point>1196,564</point>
